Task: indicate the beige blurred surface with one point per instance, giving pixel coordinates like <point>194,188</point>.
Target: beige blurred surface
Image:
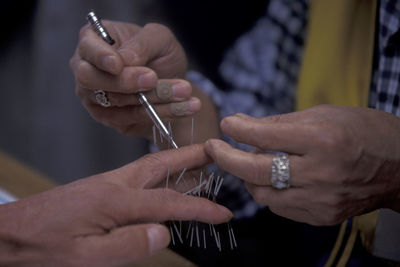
<point>23,181</point>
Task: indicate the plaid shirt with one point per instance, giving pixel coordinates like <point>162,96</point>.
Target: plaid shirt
<point>262,68</point>
<point>385,89</point>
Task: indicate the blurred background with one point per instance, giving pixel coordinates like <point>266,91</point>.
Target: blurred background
<point>42,122</point>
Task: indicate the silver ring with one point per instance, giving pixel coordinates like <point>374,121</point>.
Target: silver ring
<point>280,172</point>
<point>101,98</point>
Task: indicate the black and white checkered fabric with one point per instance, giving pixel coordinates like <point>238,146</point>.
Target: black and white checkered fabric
<point>262,69</point>
<point>385,87</point>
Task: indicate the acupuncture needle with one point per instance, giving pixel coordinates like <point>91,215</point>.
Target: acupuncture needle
<point>98,27</point>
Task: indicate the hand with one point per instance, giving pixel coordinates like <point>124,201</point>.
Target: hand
<point>147,59</point>
<point>104,220</point>
<point>344,161</point>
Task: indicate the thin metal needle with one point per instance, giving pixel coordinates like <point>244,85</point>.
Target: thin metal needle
<point>102,32</point>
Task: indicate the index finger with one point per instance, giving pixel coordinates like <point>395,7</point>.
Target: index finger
<point>159,205</point>
<point>290,137</point>
<point>253,168</point>
<point>151,169</point>
<point>99,53</point>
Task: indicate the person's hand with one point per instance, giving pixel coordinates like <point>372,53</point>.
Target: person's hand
<point>104,220</point>
<point>143,59</point>
<point>344,161</point>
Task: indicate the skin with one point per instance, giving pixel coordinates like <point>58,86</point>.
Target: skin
<point>344,161</point>
<point>109,219</point>
<point>144,59</point>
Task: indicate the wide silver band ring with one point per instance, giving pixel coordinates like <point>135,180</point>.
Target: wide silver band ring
<point>280,171</point>
<point>101,98</point>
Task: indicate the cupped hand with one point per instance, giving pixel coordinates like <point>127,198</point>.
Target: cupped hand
<point>344,161</point>
<point>104,220</point>
<point>145,59</point>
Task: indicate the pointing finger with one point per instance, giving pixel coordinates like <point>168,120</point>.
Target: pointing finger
<point>253,168</point>
<point>153,168</point>
<point>286,137</point>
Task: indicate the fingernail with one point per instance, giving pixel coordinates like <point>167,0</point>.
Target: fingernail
<point>241,115</point>
<point>164,90</point>
<point>194,104</point>
<point>109,64</point>
<point>227,212</point>
<point>181,90</point>
<point>186,108</point>
<point>157,239</point>
<point>147,80</point>
<point>224,123</point>
<point>209,146</point>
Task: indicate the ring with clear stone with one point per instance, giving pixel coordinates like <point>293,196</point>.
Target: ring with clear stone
<point>280,172</point>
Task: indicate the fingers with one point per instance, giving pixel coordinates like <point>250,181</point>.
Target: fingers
<point>153,168</point>
<point>100,54</point>
<point>269,134</point>
<point>286,203</point>
<point>296,204</point>
<point>134,120</point>
<point>251,167</point>
<point>159,205</point>
<point>171,90</point>
<point>124,245</point>
<point>151,41</point>
<point>129,80</point>
<point>97,65</point>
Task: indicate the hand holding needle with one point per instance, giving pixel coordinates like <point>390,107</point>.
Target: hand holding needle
<point>102,32</point>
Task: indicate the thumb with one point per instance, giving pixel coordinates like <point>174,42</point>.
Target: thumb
<point>126,245</point>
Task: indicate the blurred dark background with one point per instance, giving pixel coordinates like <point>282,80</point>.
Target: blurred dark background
<point>42,123</point>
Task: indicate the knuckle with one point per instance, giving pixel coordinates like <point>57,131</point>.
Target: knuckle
<point>333,212</point>
<point>258,172</point>
<point>258,196</point>
<point>333,137</point>
<point>156,27</point>
<point>81,74</point>
<point>83,44</point>
<point>156,163</point>
<point>83,31</point>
